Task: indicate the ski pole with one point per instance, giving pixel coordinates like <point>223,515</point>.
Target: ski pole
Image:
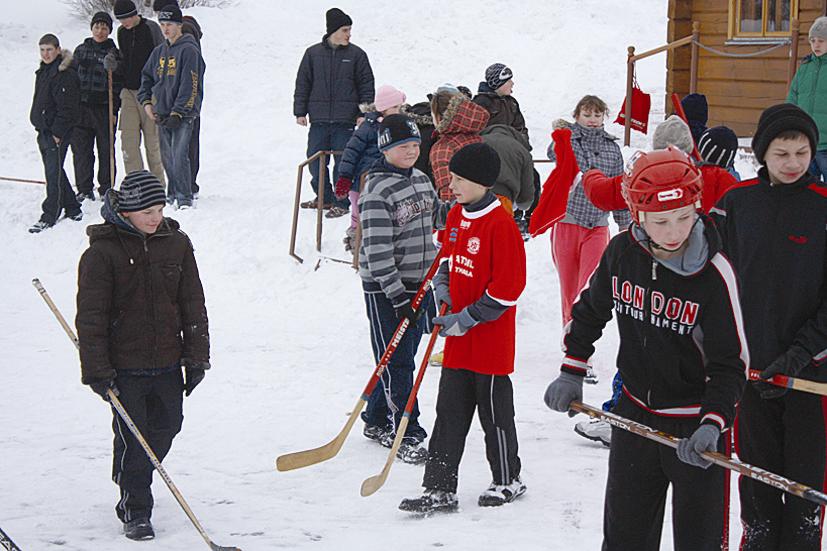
<point>6,542</point>
<point>757,473</point>
<point>676,103</point>
<point>113,399</point>
<point>111,133</point>
<point>804,385</point>
<point>371,484</point>
<point>305,458</point>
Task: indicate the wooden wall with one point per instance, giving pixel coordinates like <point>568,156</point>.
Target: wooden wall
<point>737,89</point>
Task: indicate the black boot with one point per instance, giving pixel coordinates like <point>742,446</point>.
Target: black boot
<point>140,529</point>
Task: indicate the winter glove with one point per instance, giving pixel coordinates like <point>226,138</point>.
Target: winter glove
<point>342,188</point>
<point>442,295</point>
<point>110,62</point>
<point>100,388</point>
<point>563,391</point>
<point>173,122</point>
<point>704,439</point>
<point>790,363</point>
<point>557,124</point>
<point>404,310</point>
<point>455,325</point>
<point>192,376</point>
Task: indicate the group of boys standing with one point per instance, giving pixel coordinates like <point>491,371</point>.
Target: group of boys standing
<point>78,98</point>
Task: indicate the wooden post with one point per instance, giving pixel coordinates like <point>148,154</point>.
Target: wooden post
<point>794,31</point>
<point>693,63</point>
<point>294,228</point>
<point>320,202</point>
<point>630,74</point>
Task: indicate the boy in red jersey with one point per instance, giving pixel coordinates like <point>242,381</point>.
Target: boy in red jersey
<point>481,277</point>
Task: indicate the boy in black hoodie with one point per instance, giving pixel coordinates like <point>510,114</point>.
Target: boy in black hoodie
<point>682,358</point>
<point>773,230</point>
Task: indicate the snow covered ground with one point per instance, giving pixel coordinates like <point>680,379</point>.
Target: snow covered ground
<point>290,344</point>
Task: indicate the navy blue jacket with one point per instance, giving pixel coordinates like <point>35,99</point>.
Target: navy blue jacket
<point>174,77</point>
<point>362,149</point>
<point>332,82</point>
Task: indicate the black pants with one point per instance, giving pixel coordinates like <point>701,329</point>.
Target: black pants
<point>59,194</point>
<point>460,393</point>
<point>195,152</point>
<point>518,214</point>
<point>92,131</point>
<point>640,472</point>
<point>155,405</point>
<point>784,436</point>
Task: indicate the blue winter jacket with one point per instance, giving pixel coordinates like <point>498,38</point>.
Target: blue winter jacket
<point>173,77</point>
<point>362,149</point>
<point>332,82</point>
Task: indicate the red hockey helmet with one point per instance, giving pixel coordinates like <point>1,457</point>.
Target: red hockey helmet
<point>661,180</point>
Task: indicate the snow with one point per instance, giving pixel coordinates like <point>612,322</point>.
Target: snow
<point>290,345</point>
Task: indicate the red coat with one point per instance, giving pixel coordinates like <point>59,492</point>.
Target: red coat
<point>460,126</point>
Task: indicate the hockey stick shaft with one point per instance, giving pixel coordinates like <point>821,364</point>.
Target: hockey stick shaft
<point>6,542</point>
<point>745,469</point>
<point>122,413</point>
<point>804,385</point>
<point>371,484</point>
<point>305,458</point>
<point>676,104</point>
<point>22,180</point>
<point>111,131</point>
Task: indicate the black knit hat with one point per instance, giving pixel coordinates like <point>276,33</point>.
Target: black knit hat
<point>477,162</point>
<point>395,130</point>
<point>336,19</point>
<point>140,190</point>
<point>124,9</point>
<point>718,146</point>
<point>496,75</point>
<point>102,17</point>
<point>777,119</point>
<point>158,5</point>
<point>171,13</point>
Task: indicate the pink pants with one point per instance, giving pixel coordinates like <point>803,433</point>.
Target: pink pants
<point>576,252</point>
<point>354,208</point>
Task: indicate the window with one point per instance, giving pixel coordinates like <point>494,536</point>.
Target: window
<point>756,19</point>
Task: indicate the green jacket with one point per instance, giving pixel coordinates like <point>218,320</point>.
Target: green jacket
<point>809,91</point>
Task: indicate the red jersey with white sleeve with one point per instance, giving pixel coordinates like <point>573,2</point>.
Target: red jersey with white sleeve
<point>486,255</point>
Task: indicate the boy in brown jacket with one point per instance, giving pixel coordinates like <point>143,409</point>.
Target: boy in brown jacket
<point>140,318</point>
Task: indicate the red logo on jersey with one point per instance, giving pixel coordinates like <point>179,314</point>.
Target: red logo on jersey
<point>474,245</point>
<point>799,239</point>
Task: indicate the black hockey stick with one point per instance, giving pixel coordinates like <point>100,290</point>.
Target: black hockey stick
<point>113,399</point>
<point>771,479</point>
<point>6,542</point>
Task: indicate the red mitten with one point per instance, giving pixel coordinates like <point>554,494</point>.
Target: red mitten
<point>342,187</point>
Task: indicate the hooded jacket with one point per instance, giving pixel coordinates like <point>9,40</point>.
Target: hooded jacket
<point>460,126</point>
<point>503,110</point>
<point>94,81</point>
<point>362,149</point>
<point>682,346</point>
<point>56,102</point>
<point>173,78</point>
<point>140,304</point>
<point>136,45</point>
<point>516,179</point>
<point>808,90</point>
<point>332,82</point>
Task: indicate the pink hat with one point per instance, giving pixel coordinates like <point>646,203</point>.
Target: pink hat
<point>387,97</point>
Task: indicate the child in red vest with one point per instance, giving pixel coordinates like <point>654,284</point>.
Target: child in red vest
<point>481,277</point>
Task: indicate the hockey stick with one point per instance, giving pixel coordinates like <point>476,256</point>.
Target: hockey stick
<point>371,484</point>
<point>113,399</point>
<point>676,104</point>
<point>6,542</point>
<point>297,460</point>
<point>22,180</point>
<point>804,385</point>
<point>771,479</point>
<point>111,132</point>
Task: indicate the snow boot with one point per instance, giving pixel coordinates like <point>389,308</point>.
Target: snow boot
<point>412,451</point>
<point>497,495</point>
<point>430,502</point>
<point>349,239</point>
<point>82,196</point>
<point>39,226</point>
<point>139,529</point>
<point>377,434</point>
<point>597,430</point>
<point>77,217</point>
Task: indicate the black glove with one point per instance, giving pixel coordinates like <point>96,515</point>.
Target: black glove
<point>100,388</point>
<point>404,310</point>
<point>192,376</point>
<point>790,363</point>
<point>173,122</point>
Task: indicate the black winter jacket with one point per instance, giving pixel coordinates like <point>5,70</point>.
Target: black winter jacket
<point>332,82</point>
<point>136,45</point>
<point>94,81</point>
<point>776,239</point>
<point>503,110</point>
<point>421,114</point>
<point>56,102</point>
<point>682,350</point>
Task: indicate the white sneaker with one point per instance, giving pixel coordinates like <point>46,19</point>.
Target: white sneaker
<point>497,495</point>
<point>591,377</point>
<point>597,430</point>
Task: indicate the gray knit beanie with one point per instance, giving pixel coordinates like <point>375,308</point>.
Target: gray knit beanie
<point>675,132</point>
<point>819,28</point>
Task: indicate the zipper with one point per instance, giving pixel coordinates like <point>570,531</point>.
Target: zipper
<point>151,297</point>
<point>332,71</point>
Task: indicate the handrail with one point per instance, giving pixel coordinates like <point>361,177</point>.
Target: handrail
<point>671,46</point>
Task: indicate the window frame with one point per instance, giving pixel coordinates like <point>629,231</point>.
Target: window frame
<point>735,34</point>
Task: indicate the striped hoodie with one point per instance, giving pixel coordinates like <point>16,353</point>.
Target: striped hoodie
<point>399,212</point>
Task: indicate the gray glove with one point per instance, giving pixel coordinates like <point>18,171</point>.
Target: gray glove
<point>704,439</point>
<point>455,325</point>
<point>110,61</point>
<point>442,295</point>
<point>563,391</point>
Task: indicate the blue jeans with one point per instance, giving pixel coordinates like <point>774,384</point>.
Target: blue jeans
<point>59,194</point>
<point>819,165</point>
<point>331,136</point>
<point>617,387</point>
<point>397,379</point>
<point>175,154</point>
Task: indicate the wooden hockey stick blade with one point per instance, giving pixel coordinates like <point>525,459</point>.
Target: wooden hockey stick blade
<point>371,484</point>
<point>297,460</point>
<point>804,385</point>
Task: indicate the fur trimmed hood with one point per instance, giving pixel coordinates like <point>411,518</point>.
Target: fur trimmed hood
<point>462,117</point>
<point>419,119</point>
<point>66,62</point>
